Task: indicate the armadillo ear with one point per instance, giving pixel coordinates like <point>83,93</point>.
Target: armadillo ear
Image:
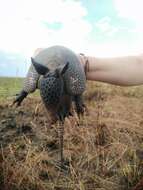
<point>61,70</point>
<point>41,69</point>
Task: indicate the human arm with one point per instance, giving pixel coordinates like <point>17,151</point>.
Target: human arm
<point>123,71</point>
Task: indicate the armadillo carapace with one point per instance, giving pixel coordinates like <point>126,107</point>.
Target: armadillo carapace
<point>54,57</point>
<point>63,80</point>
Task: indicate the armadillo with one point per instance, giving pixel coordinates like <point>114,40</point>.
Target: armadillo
<point>55,96</point>
<point>63,81</point>
<point>55,57</point>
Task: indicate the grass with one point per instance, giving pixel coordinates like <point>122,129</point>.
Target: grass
<point>104,150</point>
<point>10,86</point>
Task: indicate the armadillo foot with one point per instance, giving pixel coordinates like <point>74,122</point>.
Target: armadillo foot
<point>20,97</point>
<point>79,105</point>
<point>63,113</point>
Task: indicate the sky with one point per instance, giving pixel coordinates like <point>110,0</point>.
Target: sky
<point>101,28</point>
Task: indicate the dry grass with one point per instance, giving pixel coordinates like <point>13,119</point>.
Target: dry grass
<point>104,149</point>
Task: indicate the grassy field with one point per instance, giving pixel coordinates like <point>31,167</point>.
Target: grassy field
<point>10,86</point>
<point>104,148</point>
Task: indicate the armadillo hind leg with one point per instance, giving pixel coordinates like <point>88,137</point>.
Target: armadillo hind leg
<point>79,104</point>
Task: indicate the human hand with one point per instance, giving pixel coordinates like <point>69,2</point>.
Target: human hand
<point>84,62</point>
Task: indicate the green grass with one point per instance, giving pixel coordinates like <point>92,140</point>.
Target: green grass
<point>10,86</point>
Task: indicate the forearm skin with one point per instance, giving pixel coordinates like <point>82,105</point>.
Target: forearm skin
<point>123,71</point>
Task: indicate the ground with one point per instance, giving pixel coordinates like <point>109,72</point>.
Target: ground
<point>104,148</point>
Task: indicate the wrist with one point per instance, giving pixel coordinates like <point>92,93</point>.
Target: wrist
<point>84,62</point>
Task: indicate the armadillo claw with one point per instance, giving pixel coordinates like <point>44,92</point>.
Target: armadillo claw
<point>80,107</point>
<point>20,98</point>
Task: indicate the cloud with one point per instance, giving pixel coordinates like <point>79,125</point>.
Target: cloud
<point>28,24</point>
<point>24,24</point>
<point>12,64</point>
<point>130,9</point>
<point>105,26</point>
<point>61,11</point>
<point>51,11</point>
